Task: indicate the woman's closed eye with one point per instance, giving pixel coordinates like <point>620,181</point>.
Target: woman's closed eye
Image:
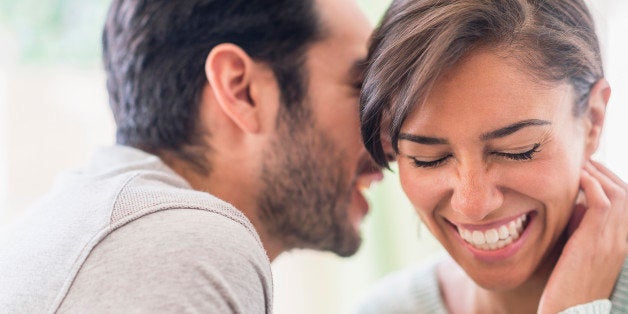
<point>429,164</point>
<point>526,155</point>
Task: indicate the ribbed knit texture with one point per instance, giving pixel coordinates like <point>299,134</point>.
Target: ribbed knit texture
<point>620,294</point>
<point>595,307</point>
<point>409,291</point>
<point>416,291</point>
<point>41,254</point>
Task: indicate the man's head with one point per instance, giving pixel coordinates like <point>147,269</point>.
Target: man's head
<point>154,54</point>
<point>321,207</point>
<point>263,95</point>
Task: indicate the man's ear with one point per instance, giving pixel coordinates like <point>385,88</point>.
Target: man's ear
<point>229,70</point>
<point>596,112</point>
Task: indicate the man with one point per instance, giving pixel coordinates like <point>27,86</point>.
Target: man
<point>238,139</point>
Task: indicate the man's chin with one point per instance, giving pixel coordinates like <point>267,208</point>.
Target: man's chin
<point>349,245</point>
<point>347,252</point>
<point>346,246</point>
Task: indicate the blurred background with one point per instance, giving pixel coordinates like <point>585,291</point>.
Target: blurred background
<point>54,113</point>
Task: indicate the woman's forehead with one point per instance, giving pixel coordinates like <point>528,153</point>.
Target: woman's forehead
<point>486,86</point>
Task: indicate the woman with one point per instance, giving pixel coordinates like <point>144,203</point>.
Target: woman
<point>493,110</point>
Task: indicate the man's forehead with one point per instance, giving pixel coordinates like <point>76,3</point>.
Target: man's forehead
<point>343,18</point>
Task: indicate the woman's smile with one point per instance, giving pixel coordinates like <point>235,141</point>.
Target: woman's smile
<point>494,241</point>
<point>488,238</point>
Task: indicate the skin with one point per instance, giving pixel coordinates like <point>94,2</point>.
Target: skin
<point>296,179</point>
<point>322,209</point>
<point>478,183</point>
<point>589,265</point>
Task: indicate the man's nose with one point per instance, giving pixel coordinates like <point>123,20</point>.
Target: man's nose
<point>475,194</point>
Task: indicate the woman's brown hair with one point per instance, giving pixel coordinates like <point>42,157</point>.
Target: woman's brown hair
<point>419,39</point>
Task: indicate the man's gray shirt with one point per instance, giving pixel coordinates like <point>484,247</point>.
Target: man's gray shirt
<point>127,234</point>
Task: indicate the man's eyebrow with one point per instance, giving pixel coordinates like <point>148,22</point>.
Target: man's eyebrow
<point>358,69</point>
<point>425,140</point>
<point>505,131</point>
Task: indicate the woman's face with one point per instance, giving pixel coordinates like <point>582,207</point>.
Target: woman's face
<point>491,162</point>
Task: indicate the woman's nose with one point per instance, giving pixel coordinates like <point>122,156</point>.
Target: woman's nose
<point>475,194</point>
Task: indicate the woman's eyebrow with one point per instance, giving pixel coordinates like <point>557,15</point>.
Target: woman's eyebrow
<point>425,140</point>
<point>499,133</point>
<point>505,131</point>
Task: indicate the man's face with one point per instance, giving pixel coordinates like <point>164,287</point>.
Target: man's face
<point>316,165</point>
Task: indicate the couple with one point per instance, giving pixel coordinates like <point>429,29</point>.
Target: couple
<point>238,131</point>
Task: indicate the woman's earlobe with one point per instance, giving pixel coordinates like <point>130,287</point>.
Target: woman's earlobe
<point>596,113</point>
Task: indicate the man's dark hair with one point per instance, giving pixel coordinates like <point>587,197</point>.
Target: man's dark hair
<point>154,54</point>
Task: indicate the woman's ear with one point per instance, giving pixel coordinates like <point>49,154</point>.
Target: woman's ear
<point>596,112</point>
<point>229,69</point>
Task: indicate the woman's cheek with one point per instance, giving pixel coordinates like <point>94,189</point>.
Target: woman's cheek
<point>424,188</point>
<point>552,182</point>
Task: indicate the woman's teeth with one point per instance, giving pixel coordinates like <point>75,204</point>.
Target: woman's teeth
<point>496,238</point>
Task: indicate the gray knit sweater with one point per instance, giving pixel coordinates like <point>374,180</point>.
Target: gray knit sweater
<point>416,291</point>
<point>127,234</point>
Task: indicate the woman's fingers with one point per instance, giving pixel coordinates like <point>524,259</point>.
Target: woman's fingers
<point>597,203</point>
<point>616,191</point>
<point>576,217</point>
<point>614,187</point>
<point>598,166</point>
<point>594,253</point>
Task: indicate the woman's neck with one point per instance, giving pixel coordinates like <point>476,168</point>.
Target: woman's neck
<point>462,295</point>
<point>523,299</point>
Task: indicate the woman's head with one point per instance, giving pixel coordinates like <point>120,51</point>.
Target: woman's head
<point>417,40</point>
<point>492,107</point>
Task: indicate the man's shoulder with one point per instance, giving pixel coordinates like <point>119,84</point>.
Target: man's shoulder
<point>120,191</point>
<point>121,184</point>
<point>184,257</point>
<point>149,191</point>
<point>183,236</point>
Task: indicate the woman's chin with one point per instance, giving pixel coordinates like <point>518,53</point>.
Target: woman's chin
<point>498,282</point>
<point>499,278</point>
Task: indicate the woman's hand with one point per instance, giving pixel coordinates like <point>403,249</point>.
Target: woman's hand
<point>594,254</point>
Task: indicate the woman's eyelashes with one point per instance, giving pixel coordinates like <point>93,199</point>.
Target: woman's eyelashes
<point>526,155</point>
<point>429,164</point>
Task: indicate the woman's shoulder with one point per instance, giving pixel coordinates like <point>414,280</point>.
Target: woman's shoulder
<point>620,293</point>
<point>411,290</point>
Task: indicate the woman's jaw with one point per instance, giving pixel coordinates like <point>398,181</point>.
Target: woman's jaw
<point>519,252</point>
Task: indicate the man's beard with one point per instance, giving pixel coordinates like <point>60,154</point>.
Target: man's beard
<point>306,194</point>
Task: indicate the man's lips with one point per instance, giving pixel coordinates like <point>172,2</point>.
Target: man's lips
<point>364,182</point>
<point>368,172</point>
<point>367,175</point>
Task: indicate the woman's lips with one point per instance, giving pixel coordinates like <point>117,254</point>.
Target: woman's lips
<point>495,241</point>
<point>496,237</point>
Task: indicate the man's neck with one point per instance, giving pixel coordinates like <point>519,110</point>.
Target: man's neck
<point>229,187</point>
